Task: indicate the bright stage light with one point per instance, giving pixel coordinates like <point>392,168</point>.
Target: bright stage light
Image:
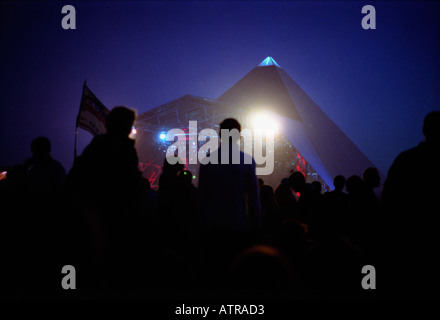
<point>162,136</point>
<point>265,122</point>
<point>133,131</point>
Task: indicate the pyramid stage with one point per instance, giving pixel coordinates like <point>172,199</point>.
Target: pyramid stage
<point>307,140</point>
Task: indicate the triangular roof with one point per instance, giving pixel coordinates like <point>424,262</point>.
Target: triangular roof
<point>269,61</point>
<point>308,128</point>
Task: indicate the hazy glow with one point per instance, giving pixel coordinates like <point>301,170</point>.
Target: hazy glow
<point>263,121</point>
<point>162,136</point>
<point>133,132</point>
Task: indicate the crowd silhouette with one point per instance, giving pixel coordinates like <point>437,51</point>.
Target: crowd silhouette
<point>232,237</point>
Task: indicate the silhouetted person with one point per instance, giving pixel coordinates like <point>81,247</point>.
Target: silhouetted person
<point>44,174</point>
<point>286,201</point>
<point>405,185</point>
<point>298,182</point>
<point>177,196</point>
<point>360,210</point>
<point>188,205</point>
<point>228,203</point>
<point>107,174</point>
<point>317,191</point>
<point>411,220</point>
<point>229,192</point>
<point>149,200</point>
<point>270,214</point>
<point>174,235</point>
<point>339,183</point>
<point>338,196</point>
<point>370,222</point>
<point>105,183</point>
<point>308,202</point>
<point>371,180</point>
<point>168,177</point>
<point>168,187</point>
<point>355,186</point>
<point>317,186</point>
<point>170,209</point>
<point>42,217</point>
<point>335,205</point>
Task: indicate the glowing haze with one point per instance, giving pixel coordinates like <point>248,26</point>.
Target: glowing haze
<point>376,85</point>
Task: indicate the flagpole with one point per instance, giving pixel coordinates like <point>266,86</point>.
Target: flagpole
<point>76,125</point>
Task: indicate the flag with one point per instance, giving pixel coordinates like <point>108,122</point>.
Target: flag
<point>92,113</point>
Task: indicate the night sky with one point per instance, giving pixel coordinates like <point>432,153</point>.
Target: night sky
<point>376,85</point>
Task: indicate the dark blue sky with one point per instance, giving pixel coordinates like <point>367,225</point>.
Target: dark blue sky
<point>376,85</point>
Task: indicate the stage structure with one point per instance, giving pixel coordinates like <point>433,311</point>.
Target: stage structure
<point>307,141</point>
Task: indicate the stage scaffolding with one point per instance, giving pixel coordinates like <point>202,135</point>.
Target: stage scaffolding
<point>209,114</point>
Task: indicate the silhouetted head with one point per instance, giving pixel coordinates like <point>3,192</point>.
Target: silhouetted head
<point>284,182</point>
<point>297,181</point>
<point>169,176</point>
<point>40,147</point>
<point>185,177</point>
<point>120,121</point>
<point>339,183</point>
<point>431,127</point>
<point>317,186</point>
<point>171,169</point>
<point>230,124</point>
<point>354,185</point>
<point>371,177</point>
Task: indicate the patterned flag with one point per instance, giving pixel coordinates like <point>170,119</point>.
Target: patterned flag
<point>92,113</point>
